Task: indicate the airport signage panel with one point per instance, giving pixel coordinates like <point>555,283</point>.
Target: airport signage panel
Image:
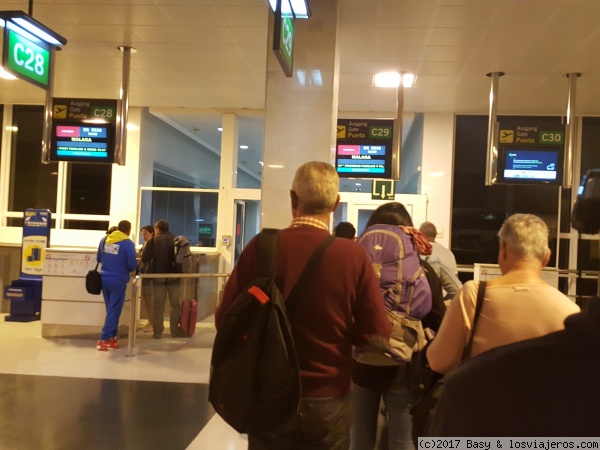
<point>530,153</point>
<point>364,148</point>
<point>26,59</point>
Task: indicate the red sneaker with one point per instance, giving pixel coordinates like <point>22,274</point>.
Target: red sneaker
<point>113,344</point>
<point>109,344</point>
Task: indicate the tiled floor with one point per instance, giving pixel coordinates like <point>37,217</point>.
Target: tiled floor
<point>64,394</point>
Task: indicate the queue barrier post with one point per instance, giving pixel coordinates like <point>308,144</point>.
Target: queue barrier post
<point>137,281</point>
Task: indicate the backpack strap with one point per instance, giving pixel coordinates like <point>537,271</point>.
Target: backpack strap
<point>480,294</point>
<point>267,258</point>
<point>267,252</point>
<point>309,270</point>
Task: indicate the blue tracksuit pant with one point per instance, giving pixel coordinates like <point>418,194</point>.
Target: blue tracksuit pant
<point>114,297</point>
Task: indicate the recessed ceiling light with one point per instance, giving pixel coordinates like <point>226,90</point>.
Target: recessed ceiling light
<point>244,147</point>
<point>220,128</point>
<point>275,166</point>
<point>393,79</point>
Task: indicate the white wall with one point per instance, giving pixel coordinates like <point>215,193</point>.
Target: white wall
<point>437,171</point>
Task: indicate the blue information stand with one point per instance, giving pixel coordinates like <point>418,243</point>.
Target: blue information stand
<point>25,294</point>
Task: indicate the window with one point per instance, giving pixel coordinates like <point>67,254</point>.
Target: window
<point>32,184</point>
<point>478,210</point>
<point>88,189</point>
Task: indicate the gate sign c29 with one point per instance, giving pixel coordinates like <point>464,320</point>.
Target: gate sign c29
<point>26,59</point>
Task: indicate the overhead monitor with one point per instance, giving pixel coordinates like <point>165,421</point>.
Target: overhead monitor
<point>530,165</point>
<point>363,160</point>
<point>82,142</point>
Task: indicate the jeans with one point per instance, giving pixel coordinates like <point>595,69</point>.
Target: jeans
<point>365,412</point>
<point>162,288</point>
<point>322,424</point>
<point>114,297</point>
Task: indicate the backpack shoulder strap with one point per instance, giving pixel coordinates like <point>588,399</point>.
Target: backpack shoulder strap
<point>480,294</point>
<point>267,252</point>
<point>267,257</point>
<point>309,270</point>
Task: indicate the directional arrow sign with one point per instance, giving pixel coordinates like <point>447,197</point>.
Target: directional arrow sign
<point>383,190</point>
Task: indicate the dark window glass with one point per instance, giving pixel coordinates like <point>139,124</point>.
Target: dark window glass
<point>590,145</point>
<point>161,179</point>
<point>478,210</point>
<point>32,184</point>
<point>86,225</point>
<point>190,214</point>
<point>88,189</point>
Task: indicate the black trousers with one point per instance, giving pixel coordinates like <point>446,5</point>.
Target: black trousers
<point>323,423</point>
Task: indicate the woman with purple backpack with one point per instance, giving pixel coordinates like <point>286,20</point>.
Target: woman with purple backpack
<point>394,246</point>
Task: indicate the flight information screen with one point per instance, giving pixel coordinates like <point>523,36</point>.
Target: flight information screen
<point>365,160</point>
<point>83,143</point>
<point>531,165</point>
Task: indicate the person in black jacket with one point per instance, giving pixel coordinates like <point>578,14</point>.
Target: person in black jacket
<point>160,251</point>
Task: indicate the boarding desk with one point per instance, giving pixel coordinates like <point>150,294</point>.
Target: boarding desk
<point>67,308</point>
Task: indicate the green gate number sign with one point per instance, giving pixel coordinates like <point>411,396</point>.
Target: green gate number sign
<point>552,137</point>
<point>26,59</point>
<point>104,112</point>
<point>380,132</point>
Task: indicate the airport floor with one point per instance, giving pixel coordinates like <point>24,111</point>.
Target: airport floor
<point>64,394</point>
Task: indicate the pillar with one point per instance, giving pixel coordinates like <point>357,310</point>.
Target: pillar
<point>301,111</point>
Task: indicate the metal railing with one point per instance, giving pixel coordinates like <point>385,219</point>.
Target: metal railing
<point>135,299</point>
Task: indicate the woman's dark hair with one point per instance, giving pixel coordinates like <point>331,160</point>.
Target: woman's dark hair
<point>149,229</point>
<point>392,213</point>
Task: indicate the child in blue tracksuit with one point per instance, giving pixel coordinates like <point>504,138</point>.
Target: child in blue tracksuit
<point>116,253</point>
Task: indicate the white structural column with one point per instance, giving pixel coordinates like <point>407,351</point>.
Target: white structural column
<point>123,197</point>
<point>301,111</point>
<point>437,169</point>
<point>227,182</point>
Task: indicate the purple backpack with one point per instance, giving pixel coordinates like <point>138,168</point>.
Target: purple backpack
<point>398,267</point>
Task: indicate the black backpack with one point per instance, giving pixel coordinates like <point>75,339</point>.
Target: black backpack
<point>254,376</point>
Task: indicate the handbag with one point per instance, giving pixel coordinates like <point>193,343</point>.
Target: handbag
<point>424,410</point>
<point>93,281</point>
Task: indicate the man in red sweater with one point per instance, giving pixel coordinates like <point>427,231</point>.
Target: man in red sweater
<point>341,307</point>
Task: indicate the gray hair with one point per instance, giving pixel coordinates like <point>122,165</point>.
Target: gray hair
<point>525,235</point>
<point>316,185</point>
<point>428,229</point>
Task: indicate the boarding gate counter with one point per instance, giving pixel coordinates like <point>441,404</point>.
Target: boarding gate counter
<point>68,309</point>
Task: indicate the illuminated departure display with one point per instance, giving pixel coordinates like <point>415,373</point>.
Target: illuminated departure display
<point>82,143</point>
<point>364,148</point>
<point>361,159</point>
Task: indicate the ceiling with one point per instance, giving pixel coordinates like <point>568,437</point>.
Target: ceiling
<point>211,54</point>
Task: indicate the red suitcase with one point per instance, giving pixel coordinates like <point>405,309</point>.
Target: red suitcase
<point>189,315</point>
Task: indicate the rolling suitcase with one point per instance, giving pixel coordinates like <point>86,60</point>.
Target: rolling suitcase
<point>189,314</point>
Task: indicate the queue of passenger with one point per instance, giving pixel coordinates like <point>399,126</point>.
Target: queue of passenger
<point>363,316</point>
<point>345,305</point>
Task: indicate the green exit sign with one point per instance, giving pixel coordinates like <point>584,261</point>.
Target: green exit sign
<point>26,59</point>
<point>283,37</point>
<point>287,40</point>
